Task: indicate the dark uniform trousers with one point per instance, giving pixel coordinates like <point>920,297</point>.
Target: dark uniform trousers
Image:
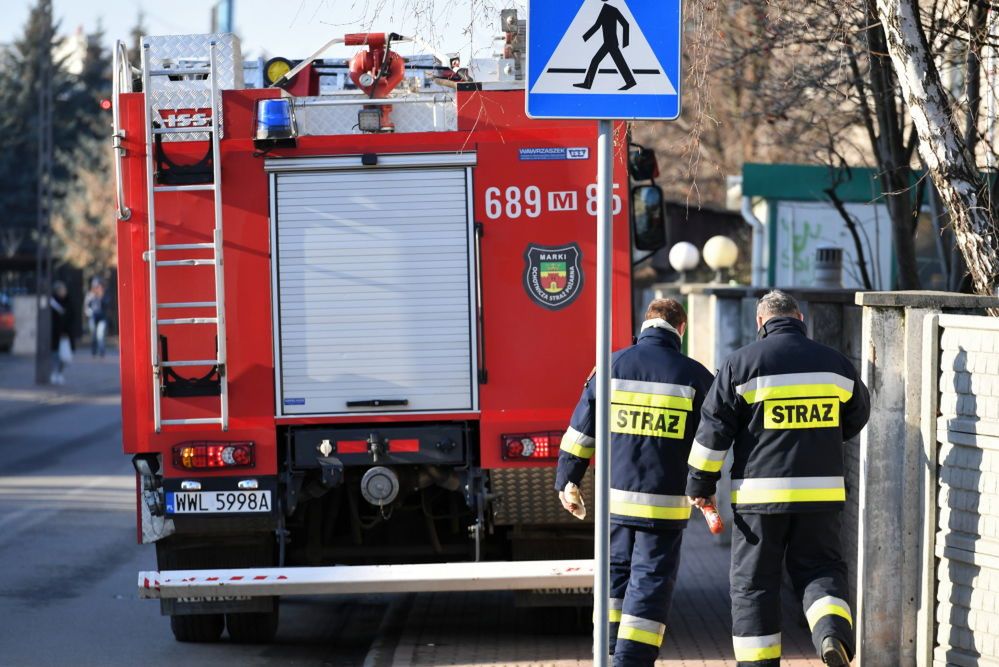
<point>809,544</point>
<point>643,566</point>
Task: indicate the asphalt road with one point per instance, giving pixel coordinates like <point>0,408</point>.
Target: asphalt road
<point>69,559</point>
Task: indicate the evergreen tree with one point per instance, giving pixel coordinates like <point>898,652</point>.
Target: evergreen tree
<point>19,125</point>
<point>77,118</point>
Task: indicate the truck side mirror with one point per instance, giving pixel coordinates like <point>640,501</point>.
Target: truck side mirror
<point>648,217</point>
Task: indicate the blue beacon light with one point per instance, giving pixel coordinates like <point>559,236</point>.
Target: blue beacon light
<point>275,122</point>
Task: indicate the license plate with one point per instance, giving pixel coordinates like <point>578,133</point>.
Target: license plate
<point>214,502</point>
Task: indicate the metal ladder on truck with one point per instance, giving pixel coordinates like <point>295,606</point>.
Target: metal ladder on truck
<point>159,365</point>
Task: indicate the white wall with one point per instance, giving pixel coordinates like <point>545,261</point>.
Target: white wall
<point>802,227</point>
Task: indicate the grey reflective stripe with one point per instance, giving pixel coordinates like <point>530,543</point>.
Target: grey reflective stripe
<point>648,499</point>
<point>660,388</point>
<point>786,379</point>
<point>779,483</point>
<point>765,641</point>
<point>629,621</point>
<point>616,603</point>
<point>700,451</point>
<point>578,438</point>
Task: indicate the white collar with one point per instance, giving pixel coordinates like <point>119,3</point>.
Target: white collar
<point>659,323</point>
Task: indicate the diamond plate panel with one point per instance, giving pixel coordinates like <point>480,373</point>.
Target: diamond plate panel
<point>527,496</point>
<point>439,116</point>
<point>185,52</point>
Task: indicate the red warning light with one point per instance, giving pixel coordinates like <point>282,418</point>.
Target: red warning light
<point>106,104</point>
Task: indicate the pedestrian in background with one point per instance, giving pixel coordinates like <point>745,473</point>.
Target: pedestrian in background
<point>62,331</point>
<point>786,404</point>
<point>96,307</point>
<point>656,396</point>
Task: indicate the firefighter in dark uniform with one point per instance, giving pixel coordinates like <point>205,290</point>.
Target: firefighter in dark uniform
<point>785,404</point>
<point>656,396</point>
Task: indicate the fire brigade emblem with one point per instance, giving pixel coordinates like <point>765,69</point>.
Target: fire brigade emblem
<point>553,278</point>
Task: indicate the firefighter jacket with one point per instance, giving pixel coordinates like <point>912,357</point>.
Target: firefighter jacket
<point>787,404</point>
<point>656,396</point>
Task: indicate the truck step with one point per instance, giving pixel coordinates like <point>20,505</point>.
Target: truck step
<point>190,320</point>
<point>191,422</point>
<point>187,304</point>
<point>186,262</point>
<point>201,187</point>
<point>190,362</point>
<point>186,246</point>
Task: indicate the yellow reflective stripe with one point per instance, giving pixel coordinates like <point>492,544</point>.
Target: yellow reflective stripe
<point>705,458</point>
<point>649,511</point>
<point>828,606</point>
<point>640,636</point>
<point>578,450</point>
<point>578,444</point>
<point>797,391</point>
<point>753,496</point>
<point>756,654</point>
<point>652,400</point>
<point>642,630</point>
<point>755,649</point>
<point>614,616</point>
<point>704,464</point>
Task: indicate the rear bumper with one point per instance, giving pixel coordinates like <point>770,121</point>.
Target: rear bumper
<point>364,579</point>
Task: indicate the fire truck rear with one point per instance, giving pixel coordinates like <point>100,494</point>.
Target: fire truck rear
<point>356,316</point>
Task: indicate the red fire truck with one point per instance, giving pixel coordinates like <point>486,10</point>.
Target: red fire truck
<point>356,313</point>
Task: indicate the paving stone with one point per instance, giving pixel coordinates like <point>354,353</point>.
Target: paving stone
<point>478,629</point>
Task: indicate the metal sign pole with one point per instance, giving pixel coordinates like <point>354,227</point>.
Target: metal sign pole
<point>601,518</point>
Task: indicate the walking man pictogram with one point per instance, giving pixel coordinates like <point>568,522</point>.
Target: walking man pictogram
<point>608,21</point>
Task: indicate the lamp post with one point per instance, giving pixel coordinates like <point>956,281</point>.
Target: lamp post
<point>721,254</point>
<point>684,257</point>
<point>43,242</point>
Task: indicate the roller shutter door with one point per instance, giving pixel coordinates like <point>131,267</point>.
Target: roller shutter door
<point>374,291</point>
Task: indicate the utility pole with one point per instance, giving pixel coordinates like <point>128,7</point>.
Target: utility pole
<point>43,243</point>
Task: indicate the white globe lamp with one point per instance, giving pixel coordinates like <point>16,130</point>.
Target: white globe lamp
<point>721,254</point>
<point>684,257</point>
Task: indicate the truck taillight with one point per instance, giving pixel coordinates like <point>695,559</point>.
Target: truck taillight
<point>531,446</point>
<point>213,455</point>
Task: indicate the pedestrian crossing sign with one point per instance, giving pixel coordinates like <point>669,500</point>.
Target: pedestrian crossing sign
<point>604,59</point>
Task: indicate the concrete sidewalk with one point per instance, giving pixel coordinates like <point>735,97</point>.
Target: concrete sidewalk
<point>85,377</point>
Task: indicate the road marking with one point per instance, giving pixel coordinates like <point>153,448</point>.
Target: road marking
<point>82,483</point>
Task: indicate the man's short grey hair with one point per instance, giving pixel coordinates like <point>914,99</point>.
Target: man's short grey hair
<point>777,303</point>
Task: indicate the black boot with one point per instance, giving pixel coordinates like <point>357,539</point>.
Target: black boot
<point>834,653</point>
